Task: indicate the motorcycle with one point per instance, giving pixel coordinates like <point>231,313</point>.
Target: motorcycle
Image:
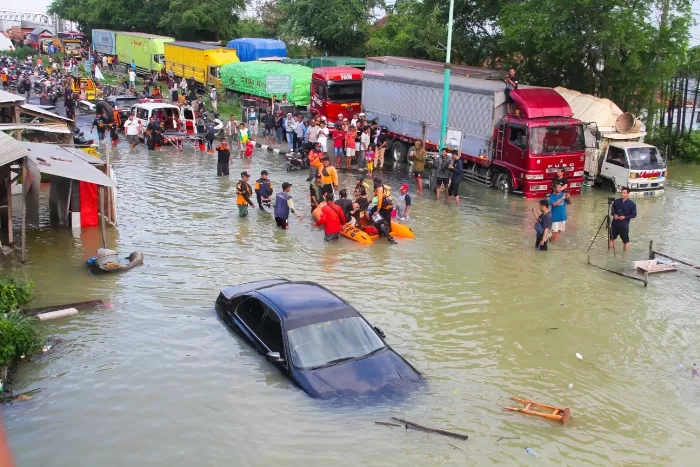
<point>79,138</point>
<point>293,161</point>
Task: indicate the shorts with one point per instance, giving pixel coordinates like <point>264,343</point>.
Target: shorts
<point>350,152</point>
<point>323,147</point>
<point>453,189</point>
<point>559,226</point>
<point>132,139</point>
<point>416,174</point>
<point>338,152</point>
<point>281,223</point>
<point>370,165</point>
<point>331,237</point>
<point>443,181</point>
<point>509,100</point>
<point>267,132</point>
<point>622,232</point>
<point>327,189</point>
<point>242,210</point>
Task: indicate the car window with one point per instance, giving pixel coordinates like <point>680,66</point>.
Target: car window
<point>321,343</point>
<point>251,311</point>
<point>271,333</point>
<point>616,156</point>
<point>189,115</point>
<point>142,114</point>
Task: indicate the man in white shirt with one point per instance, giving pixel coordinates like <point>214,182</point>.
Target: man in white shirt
<point>214,96</point>
<point>313,132</point>
<point>132,78</point>
<point>323,137</point>
<point>132,127</point>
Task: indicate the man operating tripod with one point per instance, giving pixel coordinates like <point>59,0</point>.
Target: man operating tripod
<point>622,210</point>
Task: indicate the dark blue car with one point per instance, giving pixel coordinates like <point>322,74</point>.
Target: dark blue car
<point>315,338</point>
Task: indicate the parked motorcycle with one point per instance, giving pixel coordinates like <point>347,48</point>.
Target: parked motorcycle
<point>79,138</point>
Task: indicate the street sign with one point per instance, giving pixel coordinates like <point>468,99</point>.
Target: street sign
<point>278,84</point>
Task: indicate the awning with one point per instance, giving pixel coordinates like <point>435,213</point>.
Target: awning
<point>55,160</point>
<point>8,98</point>
<point>45,127</point>
<point>10,149</point>
<point>38,110</point>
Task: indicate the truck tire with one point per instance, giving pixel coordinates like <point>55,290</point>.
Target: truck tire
<point>502,182</point>
<point>609,185</point>
<point>398,151</point>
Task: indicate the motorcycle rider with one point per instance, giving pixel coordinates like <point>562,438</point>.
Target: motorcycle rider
<point>218,126</point>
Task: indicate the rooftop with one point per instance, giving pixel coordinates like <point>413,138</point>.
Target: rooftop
<point>196,45</point>
<point>299,299</point>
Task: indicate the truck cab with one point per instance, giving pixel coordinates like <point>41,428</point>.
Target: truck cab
<point>336,90</point>
<point>637,166</point>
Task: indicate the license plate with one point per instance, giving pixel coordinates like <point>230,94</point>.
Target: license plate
<point>648,193</point>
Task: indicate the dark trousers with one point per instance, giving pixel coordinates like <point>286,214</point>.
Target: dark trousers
<point>222,169</point>
<point>281,223</point>
<point>537,243</point>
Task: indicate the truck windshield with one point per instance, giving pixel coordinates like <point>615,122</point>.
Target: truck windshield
<point>348,91</point>
<point>556,139</point>
<point>72,45</point>
<point>645,159</point>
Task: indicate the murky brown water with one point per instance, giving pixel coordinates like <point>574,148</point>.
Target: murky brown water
<point>158,380</point>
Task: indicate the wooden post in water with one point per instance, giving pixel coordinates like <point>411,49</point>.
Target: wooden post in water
<point>102,217</point>
<point>10,239</point>
<point>109,191</point>
<point>651,249</point>
<point>24,209</point>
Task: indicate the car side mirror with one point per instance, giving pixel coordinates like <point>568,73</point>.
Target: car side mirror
<point>274,357</point>
<point>380,332</point>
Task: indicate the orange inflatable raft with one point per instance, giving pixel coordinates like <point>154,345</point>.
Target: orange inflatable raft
<point>360,236</point>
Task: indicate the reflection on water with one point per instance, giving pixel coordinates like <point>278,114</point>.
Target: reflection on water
<point>158,380</point>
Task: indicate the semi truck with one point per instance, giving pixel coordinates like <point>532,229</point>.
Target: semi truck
<point>196,60</point>
<point>146,50</point>
<point>518,152</point>
<point>249,80</point>
<point>335,91</point>
<point>616,155</point>
<point>104,41</point>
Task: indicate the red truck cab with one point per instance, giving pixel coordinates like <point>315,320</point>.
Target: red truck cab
<point>336,90</point>
<point>530,145</point>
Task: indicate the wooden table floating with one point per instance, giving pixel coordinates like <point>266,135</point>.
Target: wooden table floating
<point>652,266</point>
<point>550,412</point>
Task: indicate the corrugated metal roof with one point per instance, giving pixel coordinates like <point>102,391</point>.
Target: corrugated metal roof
<point>37,109</point>
<point>40,30</point>
<point>6,97</point>
<point>55,160</point>
<point>47,127</point>
<point>10,149</point>
<point>195,45</point>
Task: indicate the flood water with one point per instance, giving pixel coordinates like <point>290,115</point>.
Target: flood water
<point>158,380</point>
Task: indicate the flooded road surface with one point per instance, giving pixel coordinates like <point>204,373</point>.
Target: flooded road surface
<point>158,380</point>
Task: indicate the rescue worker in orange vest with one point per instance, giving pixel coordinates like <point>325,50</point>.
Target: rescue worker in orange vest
<point>315,164</point>
<point>243,194</point>
<point>329,176</point>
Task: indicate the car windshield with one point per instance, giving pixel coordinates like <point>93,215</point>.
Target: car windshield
<point>331,341</point>
<point>350,91</point>
<point>645,159</point>
<point>125,101</point>
<point>556,139</point>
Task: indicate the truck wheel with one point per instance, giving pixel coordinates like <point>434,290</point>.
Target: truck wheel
<point>398,151</point>
<point>609,185</point>
<point>503,182</point>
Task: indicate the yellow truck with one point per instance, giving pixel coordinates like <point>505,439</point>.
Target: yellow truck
<point>197,60</point>
<point>70,47</point>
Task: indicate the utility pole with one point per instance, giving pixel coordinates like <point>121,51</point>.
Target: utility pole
<point>446,83</point>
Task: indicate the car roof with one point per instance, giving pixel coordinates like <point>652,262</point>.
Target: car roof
<point>630,144</point>
<point>156,105</point>
<point>302,299</point>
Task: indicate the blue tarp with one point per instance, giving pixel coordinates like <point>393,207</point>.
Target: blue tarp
<point>249,49</point>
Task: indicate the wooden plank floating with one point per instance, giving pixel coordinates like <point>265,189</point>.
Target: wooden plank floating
<point>57,314</point>
<point>653,266</point>
<point>78,306</point>
<point>415,426</point>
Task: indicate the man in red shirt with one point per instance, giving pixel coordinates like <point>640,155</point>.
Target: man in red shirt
<point>339,145</point>
<point>332,218</point>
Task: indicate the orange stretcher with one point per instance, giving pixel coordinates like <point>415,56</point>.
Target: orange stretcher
<point>541,410</point>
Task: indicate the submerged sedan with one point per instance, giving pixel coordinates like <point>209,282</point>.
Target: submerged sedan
<point>315,338</point>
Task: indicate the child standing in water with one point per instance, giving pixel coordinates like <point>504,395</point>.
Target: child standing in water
<point>369,157</point>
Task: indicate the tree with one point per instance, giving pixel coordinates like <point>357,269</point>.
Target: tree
<point>411,29</point>
<point>602,47</point>
<point>201,19</point>
<point>336,27</point>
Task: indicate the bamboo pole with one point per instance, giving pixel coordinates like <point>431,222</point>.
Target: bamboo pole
<point>24,209</point>
<point>695,102</point>
<point>10,238</point>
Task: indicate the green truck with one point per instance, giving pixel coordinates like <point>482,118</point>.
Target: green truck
<point>317,62</point>
<point>146,50</point>
<point>250,78</point>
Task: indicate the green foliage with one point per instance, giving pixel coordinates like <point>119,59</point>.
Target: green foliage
<point>337,27</point>
<point>250,27</point>
<point>19,335</point>
<point>685,148</point>
<point>411,30</point>
<point>20,53</point>
<point>14,294</point>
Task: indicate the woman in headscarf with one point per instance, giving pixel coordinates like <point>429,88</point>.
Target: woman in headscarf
<point>289,125</point>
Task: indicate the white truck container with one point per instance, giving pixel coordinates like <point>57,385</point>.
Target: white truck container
<point>616,155</point>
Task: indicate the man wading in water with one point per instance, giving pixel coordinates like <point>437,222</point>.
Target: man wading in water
<point>244,192</point>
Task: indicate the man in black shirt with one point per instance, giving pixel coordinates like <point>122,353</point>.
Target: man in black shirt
<point>345,204</point>
<point>543,227</point>
<point>151,130</point>
<point>382,141</point>
<point>623,209</point>
<point>512,82</point>
<point>560,179</point>
<point>224,158</point>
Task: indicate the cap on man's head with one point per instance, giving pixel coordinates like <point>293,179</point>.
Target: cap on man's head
<point>244,174</point>
<point>362,114</point>
<point>359,177</point>
<point>404,187</point>
<point>318,175</point>
<point>286,185</point>
<point>264,172</point>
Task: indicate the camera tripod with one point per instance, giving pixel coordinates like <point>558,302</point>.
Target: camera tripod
<point>608,224</point>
